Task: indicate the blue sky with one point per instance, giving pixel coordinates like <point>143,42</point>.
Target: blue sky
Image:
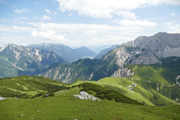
<point>85,22</point>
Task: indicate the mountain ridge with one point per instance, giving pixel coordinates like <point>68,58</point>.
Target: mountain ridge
<point>112,64</point>
<point>104,51</point>
<point>27,60</point>
<point>68,53</point>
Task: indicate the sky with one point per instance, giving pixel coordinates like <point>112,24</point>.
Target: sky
<point>85,22</point>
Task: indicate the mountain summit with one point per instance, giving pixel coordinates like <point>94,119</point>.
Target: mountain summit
<point>18,60</point>
<point>165,44</point>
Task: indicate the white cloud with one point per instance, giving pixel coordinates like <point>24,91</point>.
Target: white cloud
<point>21,10</point>
<point>138,23</point>
<point>24,18</point>
<point>5,28</point>
<point>101,30</point>
<point>173,27</point>
<point>77,34</point>
<point>173,14</point>
<point>106,8</point>
<point>158,2</point>
<point>127,14</point>
<point>48,11</point>
<point>73,28</point>
<point>49,35</point>
<point>86,34</point>
<point>45,17</point>
<point>70,14</point>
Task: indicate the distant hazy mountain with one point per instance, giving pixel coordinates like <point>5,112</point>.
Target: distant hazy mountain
<point>82,52</point>
<point>104,52</point>
<point>18,60</point>
<point>98,48</point>
<point>144,50</point>
<point>66,52</point>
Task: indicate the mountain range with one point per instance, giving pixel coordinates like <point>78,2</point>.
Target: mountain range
<point>144,50</point>
<point>39,58</point>
<point>152,67</point>
<point>65,51</point>
<point>128,80</point>
<point>20,60</point>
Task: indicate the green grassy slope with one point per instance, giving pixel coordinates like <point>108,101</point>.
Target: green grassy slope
<point>134,90</point>
<point>63,106</point>
<point>160,78</point>
<point>28,86</point>
<point>148,73</point>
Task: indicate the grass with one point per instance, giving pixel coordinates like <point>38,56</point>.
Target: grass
<point>148,73</point>
<point>28,86</point>
<point>142,94</point>
<point>116,81</point>
<point>63,106</point>
<point>32,87</point>
<point>114,104</point>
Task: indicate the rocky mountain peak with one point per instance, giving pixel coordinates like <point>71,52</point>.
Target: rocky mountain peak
<point>5,46</point>
<point>159,41</point>
<point>26,60</point>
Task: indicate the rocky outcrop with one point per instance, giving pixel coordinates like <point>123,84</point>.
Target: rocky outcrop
<point>1,98</point>
<point>85,96</point>
<point>149,50</point>
<point>122,72</point>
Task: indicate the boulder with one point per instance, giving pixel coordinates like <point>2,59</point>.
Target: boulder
<point>86,96</point>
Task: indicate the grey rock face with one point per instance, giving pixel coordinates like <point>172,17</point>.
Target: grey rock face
<point>122,72</point>
<point>145,50</point>
<point>165,44</point>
